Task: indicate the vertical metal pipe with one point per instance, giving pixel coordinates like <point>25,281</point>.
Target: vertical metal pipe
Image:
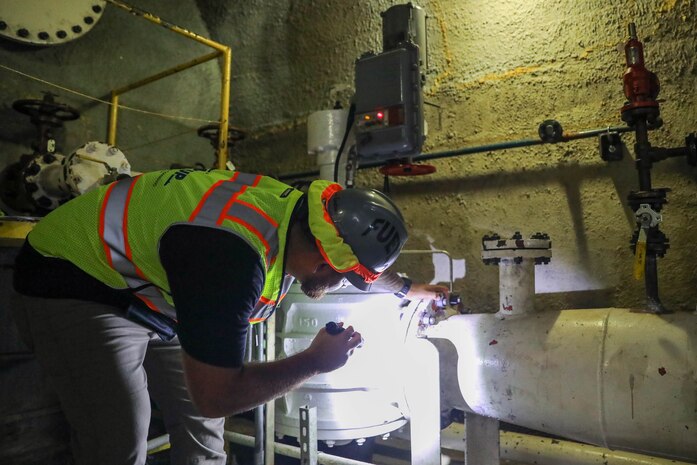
<point>259,411</point>
<point>113,118</point>
<point>226,73</point>
<point>651,283</point>
<point>482,439</point>
<point>422,394</point>
<point>224,109</point>
<point>642,147</point>
<point>516,286</point>
<point>643,164</point>
<point>270,410</point>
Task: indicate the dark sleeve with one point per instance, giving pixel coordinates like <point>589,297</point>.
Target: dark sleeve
<point>216,279</point>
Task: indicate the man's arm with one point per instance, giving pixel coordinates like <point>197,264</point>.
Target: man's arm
<point>215,280</point>
<point>392,282</point>
<point>219,391</point>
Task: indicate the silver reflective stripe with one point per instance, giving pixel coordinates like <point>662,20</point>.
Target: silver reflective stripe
<point>114,214</point>
<point>219,198</point>
<point>264,310</point>
<point>113,237</point>
<point>253,218</point>
<point>285,287</point>
<point>220,195</point>
<point>154,296</point>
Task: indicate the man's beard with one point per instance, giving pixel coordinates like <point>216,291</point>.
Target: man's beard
<point>316,287</point>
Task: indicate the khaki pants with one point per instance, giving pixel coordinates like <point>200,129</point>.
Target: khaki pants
<point>104,369</point>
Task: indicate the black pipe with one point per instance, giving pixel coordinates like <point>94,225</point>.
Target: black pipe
<point>651,282</point>
<point>645,157</point>
<point>259,419</point>
<point>642,148</point>
<point>476,149</point>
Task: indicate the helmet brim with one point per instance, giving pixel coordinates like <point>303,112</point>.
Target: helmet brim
<point>357,281</point>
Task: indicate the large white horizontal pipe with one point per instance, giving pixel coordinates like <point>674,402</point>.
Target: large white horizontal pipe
<point>610,377</point>
<point>545,451</point>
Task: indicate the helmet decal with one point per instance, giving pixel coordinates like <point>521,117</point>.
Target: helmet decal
<point>387,234</point>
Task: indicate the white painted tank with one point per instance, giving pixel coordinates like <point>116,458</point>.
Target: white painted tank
<point>365,397</point>
<point>608,376</point>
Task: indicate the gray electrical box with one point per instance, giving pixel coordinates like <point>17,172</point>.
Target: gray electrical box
<point>389,120</point>
<point>406,23</point>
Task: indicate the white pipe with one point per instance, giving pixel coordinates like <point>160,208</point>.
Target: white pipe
<point>545,451</point>
<point>609,377</point>
<point>325,131</point>
<point>516,286</point>
<point>291,451</point>
<point>423,401</point>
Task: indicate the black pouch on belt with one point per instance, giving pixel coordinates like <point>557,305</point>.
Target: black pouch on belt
<point>164,326</point>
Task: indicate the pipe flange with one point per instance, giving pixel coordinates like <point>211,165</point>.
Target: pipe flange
<point>37,178</point>
<point>655,198</point>
<point>92,165</point>
<point>516,249</point>
<point>642,110</point>
<point>48,22</point>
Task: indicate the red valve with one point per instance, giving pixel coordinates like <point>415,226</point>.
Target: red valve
<point>641,86</point>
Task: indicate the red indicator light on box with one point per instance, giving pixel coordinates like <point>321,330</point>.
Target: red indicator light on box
<point>380,115</point>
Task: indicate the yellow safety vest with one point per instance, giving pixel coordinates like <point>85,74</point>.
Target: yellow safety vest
<point>113,233</point>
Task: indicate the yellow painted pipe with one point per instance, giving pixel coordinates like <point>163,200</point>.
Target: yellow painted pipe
<point>113,118</point>
<point>12,232</point>
<point>172,27</point>
<point>224,109</point>
<point>167,72</point>
<point>223,50</point>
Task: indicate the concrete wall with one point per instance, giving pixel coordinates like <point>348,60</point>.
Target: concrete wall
<point>498,69</point>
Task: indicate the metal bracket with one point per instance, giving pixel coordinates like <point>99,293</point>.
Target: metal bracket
<point>308,435</point>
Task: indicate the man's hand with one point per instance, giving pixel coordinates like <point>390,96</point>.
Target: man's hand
<point>331,351</point>
<point>219,391</point>
<point>426,291</point>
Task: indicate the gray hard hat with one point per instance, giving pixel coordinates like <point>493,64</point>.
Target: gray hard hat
<point>369,223</point>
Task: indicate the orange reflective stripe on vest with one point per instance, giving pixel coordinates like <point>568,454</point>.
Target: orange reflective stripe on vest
<point>264,307</point>
<point>113,230</point>
<point>221,203</point>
